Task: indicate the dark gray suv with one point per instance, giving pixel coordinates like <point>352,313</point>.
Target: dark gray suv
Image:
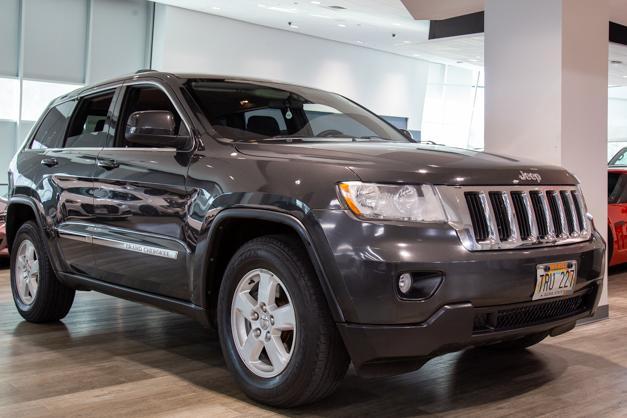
<point>309,231</point>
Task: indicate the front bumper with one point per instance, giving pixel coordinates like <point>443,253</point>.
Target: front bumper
<point>392,349</point>
<point>380,327</point>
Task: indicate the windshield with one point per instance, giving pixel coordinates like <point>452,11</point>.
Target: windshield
<point>620,159</point>
<point>243,111</point>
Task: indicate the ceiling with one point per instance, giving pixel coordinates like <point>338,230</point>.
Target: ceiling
<point>380,24</point>
<point>384,25</point>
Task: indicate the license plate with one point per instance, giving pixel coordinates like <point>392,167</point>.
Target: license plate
<point>555,279</point>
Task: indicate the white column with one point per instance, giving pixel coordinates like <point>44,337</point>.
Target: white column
<point>546,64</point>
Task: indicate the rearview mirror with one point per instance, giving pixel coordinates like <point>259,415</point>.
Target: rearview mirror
<point>153,128</point>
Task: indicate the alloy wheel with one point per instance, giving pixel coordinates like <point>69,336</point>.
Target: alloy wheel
<point>27,272</point>
<point>263,323</point>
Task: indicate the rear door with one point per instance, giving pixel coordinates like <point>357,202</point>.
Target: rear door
<point>68,167</point>
<point>141,201</point>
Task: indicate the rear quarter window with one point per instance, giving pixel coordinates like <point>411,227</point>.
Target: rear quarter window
<point>52,128</point>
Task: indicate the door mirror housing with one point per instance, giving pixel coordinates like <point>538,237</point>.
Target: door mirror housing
<point>407,134</point>
<point>154,128</point>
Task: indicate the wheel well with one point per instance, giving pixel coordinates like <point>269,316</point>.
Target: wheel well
<point>231,235</point>
<point>17,215</point>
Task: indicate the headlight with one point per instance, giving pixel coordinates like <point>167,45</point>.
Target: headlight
<point>391,202</point>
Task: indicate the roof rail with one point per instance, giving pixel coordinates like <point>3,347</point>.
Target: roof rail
<point>144,70</point>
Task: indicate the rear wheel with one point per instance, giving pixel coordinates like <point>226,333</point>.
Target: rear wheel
<point>277,335</point>
<point>38,295</point>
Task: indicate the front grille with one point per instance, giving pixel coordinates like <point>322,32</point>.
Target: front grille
<point>489,218</point>
<point>568,211</point>
<point>501,214</point>
<point>533,314</point>
<point>478,216</point>
<point>540,214</point>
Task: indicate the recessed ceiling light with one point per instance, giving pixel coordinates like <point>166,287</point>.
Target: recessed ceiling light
<point>625,76</point>
<point>294,26</point>
<point>337,7</point>
<point>473,60</point>
<point>341,25</point>
<point>361,42</point>
<point>406,42</point>
<point>215,8</point>
<point>396,24</point>
<point>315,2</point>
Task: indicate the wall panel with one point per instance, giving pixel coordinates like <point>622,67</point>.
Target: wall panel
<point>9,36</point>
<point>55,39</point>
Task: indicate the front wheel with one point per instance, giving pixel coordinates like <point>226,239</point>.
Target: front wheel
<point>37,293</point>
<point>275,329</point>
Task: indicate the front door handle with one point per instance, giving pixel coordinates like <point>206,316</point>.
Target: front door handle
<point>49,162</point>
<point>108,164</point>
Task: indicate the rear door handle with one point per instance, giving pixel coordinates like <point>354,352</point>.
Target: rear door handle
<point>49,162</point>
<point>108,164</point>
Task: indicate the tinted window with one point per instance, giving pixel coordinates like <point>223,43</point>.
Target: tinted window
<point>89,124</point>
<point>52,128</point>
<point>244,111</point>
<point>142,98</point>
<point>617,188</point>
<point>620,158</point>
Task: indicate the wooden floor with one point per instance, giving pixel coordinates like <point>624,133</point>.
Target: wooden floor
<point>115,358</point>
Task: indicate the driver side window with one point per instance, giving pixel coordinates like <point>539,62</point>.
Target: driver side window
<point>145,98</point>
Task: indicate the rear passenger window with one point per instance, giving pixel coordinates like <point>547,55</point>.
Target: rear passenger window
<point>88,128</point>
<point>52,128</point>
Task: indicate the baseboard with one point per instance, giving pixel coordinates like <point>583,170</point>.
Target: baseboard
<point>602,313</point>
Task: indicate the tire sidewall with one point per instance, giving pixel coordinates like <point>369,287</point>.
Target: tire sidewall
<point>306,333</point>
<point>28,231</point>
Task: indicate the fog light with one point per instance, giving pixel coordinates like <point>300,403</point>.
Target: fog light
<point>419,285</point>
<point>404,283</point>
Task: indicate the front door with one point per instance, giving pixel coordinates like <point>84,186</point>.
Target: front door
<point>140,201</point>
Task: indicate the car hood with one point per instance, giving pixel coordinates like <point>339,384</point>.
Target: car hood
<point>393,162</point>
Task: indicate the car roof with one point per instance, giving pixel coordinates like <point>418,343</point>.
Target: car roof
<point>165,76</point>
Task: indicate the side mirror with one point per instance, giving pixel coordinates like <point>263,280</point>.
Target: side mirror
<point>407,134</point>
<point>153,128</point>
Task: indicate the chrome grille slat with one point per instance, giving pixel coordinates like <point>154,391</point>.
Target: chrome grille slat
<point>515,216</point>
<point>571,210</point>
<point>532,219</point>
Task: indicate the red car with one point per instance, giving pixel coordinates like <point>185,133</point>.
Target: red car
<point>4,251</point>
<point>617,215</point>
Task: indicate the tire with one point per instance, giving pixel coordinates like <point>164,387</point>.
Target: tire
<point>520,343</point>
<point>41,298</point>
<point>317,359</point>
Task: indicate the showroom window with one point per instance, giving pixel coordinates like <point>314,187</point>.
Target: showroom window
<point>453,109</point>
<point>9,98</point>
<point>37,95</point>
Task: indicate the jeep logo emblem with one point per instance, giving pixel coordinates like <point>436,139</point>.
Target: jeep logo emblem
<point>525,176</point>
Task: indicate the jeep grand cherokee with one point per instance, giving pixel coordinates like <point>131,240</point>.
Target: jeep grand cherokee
<point>311,232</point>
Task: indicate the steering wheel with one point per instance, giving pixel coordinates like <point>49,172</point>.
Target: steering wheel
<point>329,133</point>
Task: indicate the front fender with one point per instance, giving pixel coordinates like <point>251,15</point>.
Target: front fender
<point>270,208</point>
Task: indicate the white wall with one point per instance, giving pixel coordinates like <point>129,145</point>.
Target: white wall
<point>189,41</point>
